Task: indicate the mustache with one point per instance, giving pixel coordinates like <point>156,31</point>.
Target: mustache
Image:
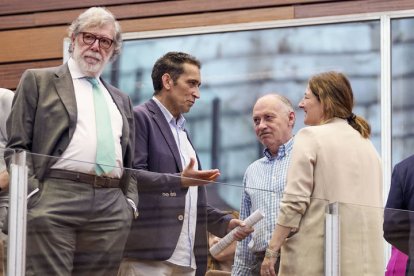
<point>94,55</point>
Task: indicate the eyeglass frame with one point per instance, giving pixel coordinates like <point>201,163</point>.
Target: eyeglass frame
<point>96,37</point>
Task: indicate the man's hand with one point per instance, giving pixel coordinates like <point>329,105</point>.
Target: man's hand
<point>243,230</point>
<point>4,180</point>
<point>192,177</point>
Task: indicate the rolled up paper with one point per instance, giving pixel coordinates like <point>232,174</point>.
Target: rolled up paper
<point>229,238</point>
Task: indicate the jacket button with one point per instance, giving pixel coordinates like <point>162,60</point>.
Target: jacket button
<point>180,217</point>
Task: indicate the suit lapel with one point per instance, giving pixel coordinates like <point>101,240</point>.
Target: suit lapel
<point>65,90</point>
<point>191,143</point>
<point>165,129</point>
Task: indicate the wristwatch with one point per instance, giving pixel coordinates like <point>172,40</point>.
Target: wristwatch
<point>271,253</point>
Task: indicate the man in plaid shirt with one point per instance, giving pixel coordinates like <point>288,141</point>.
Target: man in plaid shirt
<point>264,179</point>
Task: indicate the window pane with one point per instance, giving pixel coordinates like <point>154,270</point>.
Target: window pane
<point>402,88</point>
<point>238,67</point>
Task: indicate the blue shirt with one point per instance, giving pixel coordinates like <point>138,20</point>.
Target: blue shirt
<point>183,254</point>
<point>264,182</point>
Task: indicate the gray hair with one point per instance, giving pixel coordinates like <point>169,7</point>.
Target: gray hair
<point>286,101</point>
<point>96,17</point>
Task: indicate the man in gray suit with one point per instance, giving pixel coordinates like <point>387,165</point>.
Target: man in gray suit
<point>79,212</point>
<point>170,236</point>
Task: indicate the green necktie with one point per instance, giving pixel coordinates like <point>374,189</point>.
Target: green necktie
<point>105,145</point>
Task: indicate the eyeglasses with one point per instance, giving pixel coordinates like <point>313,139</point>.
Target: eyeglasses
<point>89,39</point>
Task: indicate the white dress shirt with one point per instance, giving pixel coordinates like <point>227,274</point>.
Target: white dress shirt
<point>80,155</point>
<point>184,254</point>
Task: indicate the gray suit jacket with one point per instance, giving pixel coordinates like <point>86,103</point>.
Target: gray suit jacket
<point>43,119</point>
<point>155,233</point>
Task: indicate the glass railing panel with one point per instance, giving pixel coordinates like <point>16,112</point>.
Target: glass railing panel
<point>305,244</point>
<point>77,222</point>
<point>358,238</point>
<point>398,234</point>
<point>5,154</point>
<point>73,221</point>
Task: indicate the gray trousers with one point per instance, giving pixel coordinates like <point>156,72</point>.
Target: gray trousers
<point>76,229</point>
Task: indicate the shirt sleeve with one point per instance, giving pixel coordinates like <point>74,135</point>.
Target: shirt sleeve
<point>300,182</point>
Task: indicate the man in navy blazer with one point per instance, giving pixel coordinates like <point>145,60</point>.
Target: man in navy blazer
<point>169,237</point>
<point>398,214</point>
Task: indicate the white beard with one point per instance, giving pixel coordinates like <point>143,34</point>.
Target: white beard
<point>87,68</point>
<point>94,69</point>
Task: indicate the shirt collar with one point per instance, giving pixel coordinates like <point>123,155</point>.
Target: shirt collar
<point>168,116</point>
<point>281,152</point>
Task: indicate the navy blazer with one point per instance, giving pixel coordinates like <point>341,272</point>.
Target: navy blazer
<point>155,233</point>
<point>397,223</point>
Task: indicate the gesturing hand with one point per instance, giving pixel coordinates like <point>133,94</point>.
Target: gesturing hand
<point>192,177</point>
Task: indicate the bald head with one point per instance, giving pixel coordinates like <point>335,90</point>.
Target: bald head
<point>278,100</point>
<point>273,118</point>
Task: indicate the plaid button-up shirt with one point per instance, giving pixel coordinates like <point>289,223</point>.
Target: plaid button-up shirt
<point>264,182</point>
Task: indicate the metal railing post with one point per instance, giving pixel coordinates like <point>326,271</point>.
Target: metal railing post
<point>16,250</point>
<point>332,239</point>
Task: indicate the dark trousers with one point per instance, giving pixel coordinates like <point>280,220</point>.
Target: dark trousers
<point>257,264</point>
<point>76,229</point>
